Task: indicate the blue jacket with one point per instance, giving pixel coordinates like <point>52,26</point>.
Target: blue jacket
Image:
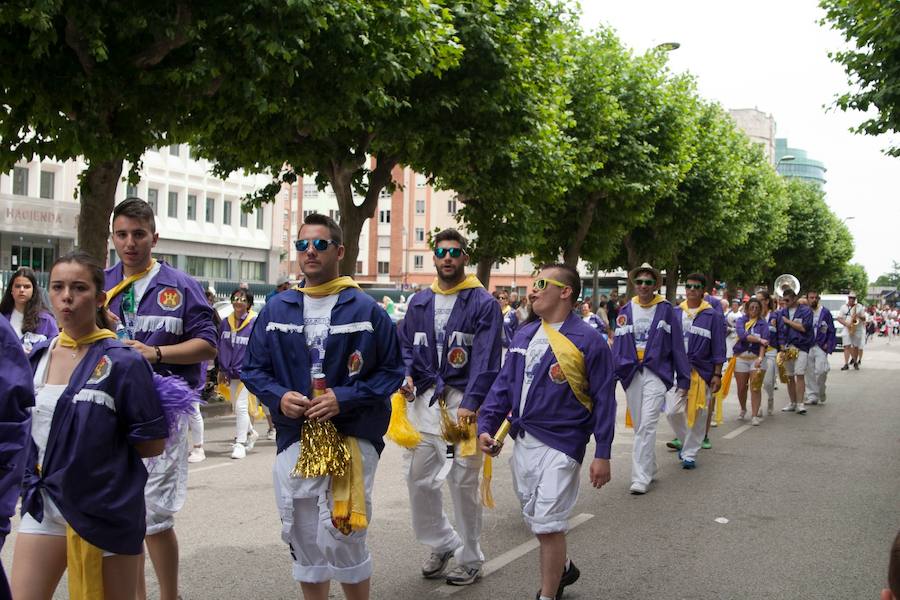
<point>362,364</point>
<point>471,358</point>
<point>553,413</point>
<point>510,324</point>
<point>759,329</point>
<point>788,336</point>
<point>706,341</point>
<point>664,355</point>
<point>91,468</point>
<point>825,332</point>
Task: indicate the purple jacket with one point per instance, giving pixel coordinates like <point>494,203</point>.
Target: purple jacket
<point>760,329</point>
<point>471,358</point>
<point>553,413</point>
<point>706,341</point>
<point>510,324</point>
<point>788,336</point>
<point>664,355</point>
<point>46,329</point>
<point>825,333</point>
<point>772,322</point>
<point>596,322</point>
<point>91,468</point>
<point>173,310</point>
<point>233,347</point>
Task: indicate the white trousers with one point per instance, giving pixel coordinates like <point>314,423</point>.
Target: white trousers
<point>645,397</point>
<point>769,379</point>
<point>319,551</point>
<point>691,438</point>
<point>425,478</point>
<point>546,482</point>
<point>196,425</point>
<point>241,410</point>
<point>816,371</point>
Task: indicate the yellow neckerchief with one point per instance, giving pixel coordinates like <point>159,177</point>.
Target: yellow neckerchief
<point>656,300</point>
<point>116,289</point>
<point>571,361</point>
<point>84,565</point>
<point>692,314</point>
<point>328,288</point>
<point>696,399</point>
<point>505,309</point>
<point>67,341</point>
<point>466,284</point>
<point>349,493</point>
<point>749,324</point>
<point>232,322</point>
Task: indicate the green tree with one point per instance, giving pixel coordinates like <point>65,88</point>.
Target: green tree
<point>872,27</point>
<point>852,277</point>
<point>891,279</point>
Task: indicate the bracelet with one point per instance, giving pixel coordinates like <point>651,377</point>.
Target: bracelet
<point>158,355</point>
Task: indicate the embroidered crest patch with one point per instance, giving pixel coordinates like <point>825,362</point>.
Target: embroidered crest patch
<point>354,363</point>
<point>458,357</point>
<point>101,370</point>
<point>169,299</point>
<point>556,374</point>
<point>621,320</point>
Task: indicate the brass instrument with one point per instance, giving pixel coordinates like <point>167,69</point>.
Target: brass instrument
<point>786,281</point>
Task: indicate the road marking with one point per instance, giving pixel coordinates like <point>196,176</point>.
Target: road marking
<point>507,557</point>
<point>736,432</point>
<point>210,467</point>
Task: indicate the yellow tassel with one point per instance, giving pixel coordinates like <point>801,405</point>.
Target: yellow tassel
<point>401,431</point>
<point>349,493</point>
<point>469,446</point>
<point>452,430</point>
<point>84,563</point>
<point>225,391</point>
<point>323,451</point>
<point>628,422</point>
<point>487,496</point>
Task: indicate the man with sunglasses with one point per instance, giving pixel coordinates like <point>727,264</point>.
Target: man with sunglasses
<point>703,327</point>
<point>648,350</point>
<point>327,329</point>
<point>558,387</point>
<point>451,345</point>
<point>795,333</point>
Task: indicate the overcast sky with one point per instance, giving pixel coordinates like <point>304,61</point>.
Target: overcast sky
<point>773,55</point>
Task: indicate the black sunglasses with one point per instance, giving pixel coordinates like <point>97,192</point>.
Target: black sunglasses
<point>319,245</point>
<point>453,252</point>
<point>693,286</point>
<point>647,282</point>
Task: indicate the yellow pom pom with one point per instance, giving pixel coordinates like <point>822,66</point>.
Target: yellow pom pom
<point>400,430</point>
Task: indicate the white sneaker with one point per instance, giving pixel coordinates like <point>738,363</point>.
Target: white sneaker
<point>801,409</point>
<point>713,423</point>
<point>196,455</point>
<point>742,416</point>
<point>238,451</point>
<point>270,435</point>
<point>755,421</point>
<point>789,408</point>
<point>637,488</point>
<point>251,439</point>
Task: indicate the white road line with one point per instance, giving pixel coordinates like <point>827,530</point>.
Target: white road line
<point>507,557</point>
<point>210,467</point>
<point>736,432</point>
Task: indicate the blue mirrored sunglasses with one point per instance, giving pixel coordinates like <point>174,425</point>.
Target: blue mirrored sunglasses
<point>453,252</point>
<point>319,245</point>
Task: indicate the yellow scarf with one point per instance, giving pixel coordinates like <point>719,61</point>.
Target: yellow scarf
<point>656,300</point>
<point>84,564</point>
<point>232,321</point>
<point>693,313</point>
<point>329,287</point>
<point>468,283</point>
<point>67,341</point>
<point>506,309</point>
<point>571,361</point>
<point>349,493</point>
<point>696,400</point>
<point>726,386</point>
<point>116,289</point>
<point>749,324</point>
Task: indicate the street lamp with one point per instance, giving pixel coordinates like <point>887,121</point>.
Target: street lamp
<point>667,46</point>
<point>785,158</point>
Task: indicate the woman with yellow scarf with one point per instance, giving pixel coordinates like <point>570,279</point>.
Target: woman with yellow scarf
<point>750,351</point>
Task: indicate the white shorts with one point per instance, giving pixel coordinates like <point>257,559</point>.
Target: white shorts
<point>798,365</point>
<point>744,363</point>
<point>53,524</point>
<point>546,483</point>
<point>857,339</point>
<point>319,551</point>
<point>166,488</point>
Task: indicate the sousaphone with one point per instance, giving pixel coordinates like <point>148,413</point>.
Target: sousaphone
<point>784,282</point>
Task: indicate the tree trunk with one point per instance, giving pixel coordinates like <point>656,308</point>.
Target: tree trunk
<point>97,194</point>
<point>483,270</point>
<point>595,298</point>
<point>572,251</point>
<point>632,261</point>
<point>672,281</point>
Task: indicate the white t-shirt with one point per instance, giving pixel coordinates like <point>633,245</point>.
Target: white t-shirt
<point>537,347</point>
<point>443,306</point>
<point>140,286</point>
<point>15,319</point>
<point>316,321</point>
<point>46,397</point>
<point>643,317</point>
<point>817,316</point>
<point>686,322</point>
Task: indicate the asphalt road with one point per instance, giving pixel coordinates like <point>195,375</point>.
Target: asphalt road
<point>812,504</point>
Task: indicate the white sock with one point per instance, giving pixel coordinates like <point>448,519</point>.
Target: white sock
<point>568,564</point>
<point>546,598</point>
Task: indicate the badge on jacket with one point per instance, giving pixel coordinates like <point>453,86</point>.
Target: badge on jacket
<point>169,299</point>
<point>458,357</point>
<point>101,370</point>
<point>556,374</point>
<point>354,363</point>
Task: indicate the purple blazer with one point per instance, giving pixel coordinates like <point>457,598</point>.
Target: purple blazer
<point>553,413</point>
<point>471,358</point>
<point>760,329</point>
<point>233,347</point>
<point>825,332</point>
<point>510,324</point>
<point>91,468</point>
<point>706,341</point>
<point>664,355</point>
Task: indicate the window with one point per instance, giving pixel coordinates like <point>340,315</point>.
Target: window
<point>420,234</point>
<point>173,205</point>
<point>170,259</point>
<point>310,190</point>
<point>420,207</point>
<point>335,214</point>
<point>131,191</point>
<point>260,216</point>
<point>384,241</point>
<point>384,267</point>
<point>451,206</point>
<point>244,218</point>
<point>174,150</point>
<point>210,210</point>
<point>20,181</point>
<point>284,236</point>
<point>226,212</point>
<point>358,267</point>
<point>48,182</point>
<point>306,213</point>
<point>384,194</point>
<point>202,266</point>
<point>384,216</point>
<point>421,180</point>
<point>418,261</point>
<point>192,207</point>
<point>252,270</point>
<point>153,199</point>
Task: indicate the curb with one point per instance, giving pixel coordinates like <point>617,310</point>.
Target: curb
<point>216,409</point>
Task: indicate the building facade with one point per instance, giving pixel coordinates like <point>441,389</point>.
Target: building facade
<point>758,126</point>
<point>800,166</point>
